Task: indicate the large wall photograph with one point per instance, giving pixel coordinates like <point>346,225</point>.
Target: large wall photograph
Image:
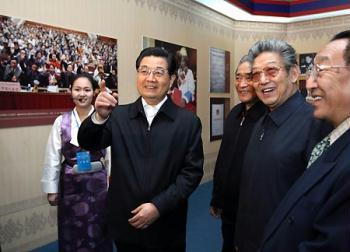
<point>37,65</point>
<point>184,89</point>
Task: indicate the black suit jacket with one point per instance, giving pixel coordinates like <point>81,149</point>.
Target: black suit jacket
<point>237,131</point>
<point>162,164</point>
<point>277,154</point>
<point>315,213</point>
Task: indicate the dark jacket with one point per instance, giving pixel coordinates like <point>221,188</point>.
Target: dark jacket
<point>162,164</point>
<point>277,154</point>
<point>314,215</point>
<point>238,128</point>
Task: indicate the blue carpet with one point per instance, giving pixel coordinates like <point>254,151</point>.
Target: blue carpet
<point>203,231</point>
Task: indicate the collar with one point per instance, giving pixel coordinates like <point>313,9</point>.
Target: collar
<point>76,115</point>
<point>283,112</point>
<point>75,124</point>
<point>339,131</point>
<point>155,107</point>
<point>168,108</point>
<point>257,110</point>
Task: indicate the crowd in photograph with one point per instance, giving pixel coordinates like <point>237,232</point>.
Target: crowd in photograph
<point>36,55</point>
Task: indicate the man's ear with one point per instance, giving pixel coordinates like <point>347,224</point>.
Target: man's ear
<point>294,73</point>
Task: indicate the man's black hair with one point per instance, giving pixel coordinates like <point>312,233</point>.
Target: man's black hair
<point>158,52</point>
<point>344,35</point>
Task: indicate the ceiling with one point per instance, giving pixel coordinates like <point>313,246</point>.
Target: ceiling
<point>290,8</point>
<point>281,11</point>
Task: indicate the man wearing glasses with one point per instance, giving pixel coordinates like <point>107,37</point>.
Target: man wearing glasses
<point>314,215</point>
<point>150,180</point>
<point>280,145</point>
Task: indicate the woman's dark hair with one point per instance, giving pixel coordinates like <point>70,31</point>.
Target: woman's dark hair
<point>87,76</point>
<point>158,52</point>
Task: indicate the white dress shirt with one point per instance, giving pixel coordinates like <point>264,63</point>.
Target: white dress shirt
<point>339,131</point>
<point>150,110</point>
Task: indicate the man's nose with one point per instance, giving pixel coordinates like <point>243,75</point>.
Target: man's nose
<point>150,76</point>
<point>311,82</point>
<point>264,78</point>
<point>243,83</point>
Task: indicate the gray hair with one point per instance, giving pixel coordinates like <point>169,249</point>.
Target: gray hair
<point>282,48</point>
<point>244,59</point>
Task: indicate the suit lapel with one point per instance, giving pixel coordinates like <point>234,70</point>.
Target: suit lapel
<point>320,168</point>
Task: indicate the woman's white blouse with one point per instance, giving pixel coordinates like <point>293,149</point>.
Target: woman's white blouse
<point>53,155</point>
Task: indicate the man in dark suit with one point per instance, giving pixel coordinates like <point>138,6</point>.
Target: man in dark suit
<point>315,213</point>
<point>157,158</point>
<point>237,131</point>
<point>280,144</point>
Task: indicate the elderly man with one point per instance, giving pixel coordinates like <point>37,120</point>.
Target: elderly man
<point>280,145</point>
<point>237,131</point>
<point>157,158</point>
<point>314,215</point>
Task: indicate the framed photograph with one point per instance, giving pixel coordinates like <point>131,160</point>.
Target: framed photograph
<point>39,63</point>
<point>306,62</point>
<point>219,70</point>
<point>183,92</point>
<point>219,108</point>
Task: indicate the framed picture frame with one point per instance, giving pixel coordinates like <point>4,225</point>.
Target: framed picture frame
<point>183,91</point>
<point>219,108</point>
<point>306,62</point>
<point>219,70</point>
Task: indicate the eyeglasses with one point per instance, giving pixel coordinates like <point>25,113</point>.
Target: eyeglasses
<point>243,76</point>
<point>157,72</point>
<point>317,69</point>
<point>269,72</point>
